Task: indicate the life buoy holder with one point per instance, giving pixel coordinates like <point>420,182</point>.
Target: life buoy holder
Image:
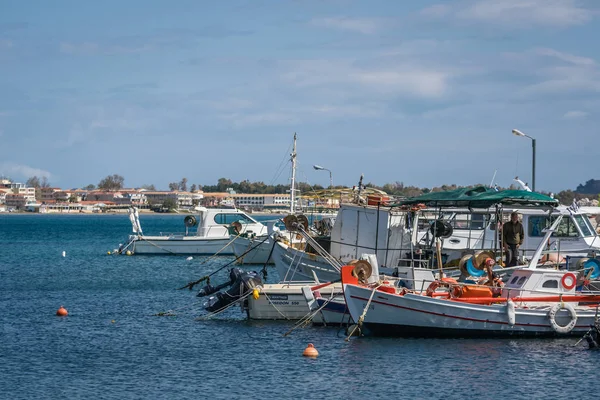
<point>456,291</point>
<point>565,281</point>
<point>552,317</point>
<point>433,286</point>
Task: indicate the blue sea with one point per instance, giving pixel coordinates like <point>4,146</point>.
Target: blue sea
<point>113,346</point>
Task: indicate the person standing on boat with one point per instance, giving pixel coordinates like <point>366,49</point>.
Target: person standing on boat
<point>512,238</point>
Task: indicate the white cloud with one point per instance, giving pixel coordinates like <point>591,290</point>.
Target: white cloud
<point>415,81</point>
<point>392,78</point>
<point>365,26</point>
<point>22,171</point>
<point>523,14</point>
<point>551,71</point>
<point>575,114</point>
<point>261,119</point>
<point>356,111</point>
<point>569,58</point>
<point>91,48</point>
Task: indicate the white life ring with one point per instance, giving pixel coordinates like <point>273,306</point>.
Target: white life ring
<point>552,316</point>
<point>510,312</point>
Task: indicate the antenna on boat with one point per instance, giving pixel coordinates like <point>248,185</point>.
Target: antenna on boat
<point>493,177</point>
<point>293,185</point>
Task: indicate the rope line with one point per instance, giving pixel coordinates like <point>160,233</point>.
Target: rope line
<point>191,285</point>
<point>361,319</point>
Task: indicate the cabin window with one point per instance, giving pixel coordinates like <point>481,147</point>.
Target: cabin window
<point>472,221</point>
<point>513,280</point>
<point>566,228</point>
<point>521,281</point>
<point>536,225</point>
<point>552,284</point>
<point>580,219</point>
<point>228,219</point>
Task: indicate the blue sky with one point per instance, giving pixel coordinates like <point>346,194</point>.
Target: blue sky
<point>422,92</point>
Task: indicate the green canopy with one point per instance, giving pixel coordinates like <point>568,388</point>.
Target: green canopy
<point>480,197</point>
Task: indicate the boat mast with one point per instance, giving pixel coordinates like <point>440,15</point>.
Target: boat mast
<point>293,185</point>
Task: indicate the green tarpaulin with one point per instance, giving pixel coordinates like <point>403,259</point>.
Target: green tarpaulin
<point>480,197</point>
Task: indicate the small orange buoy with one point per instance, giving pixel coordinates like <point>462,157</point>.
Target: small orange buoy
<point>62,312</point>
<point>310,351</point>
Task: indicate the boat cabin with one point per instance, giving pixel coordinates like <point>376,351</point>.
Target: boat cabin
<point>217,222</point>
<point>539,282</point>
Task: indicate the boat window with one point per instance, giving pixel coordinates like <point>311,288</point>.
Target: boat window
<point>537,224</point>
<point>227,219</point>
<point>513,280</point>
<point>521,281</point>
<point>473,221</point>
<point>580,219</point>
<point>552,283</point>
<point>566,228</point>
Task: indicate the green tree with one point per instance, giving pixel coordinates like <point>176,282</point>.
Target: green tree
<point>565,197</point>
<point>111,182</point>
<point>90,187</point>
<point>170,204</point>
<point>149,187</point>
<point>223,184</point>
<point>591,187</point>
<point>193,187</point>
<point>174,186</point>
<point>38,183</point>
<point>183,185</point>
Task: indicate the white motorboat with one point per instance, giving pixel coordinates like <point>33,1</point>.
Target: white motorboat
<point>215,230</point>
<point>534,302</point>
<point>289,301</point>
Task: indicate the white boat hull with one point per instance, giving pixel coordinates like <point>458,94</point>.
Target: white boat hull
<point>289,301</point>
<point>253,251</point>
<point>417,315</point>
<point>279,302</point>
<point>332,313</point>
<point>183,245</point>
<point>297,265</point>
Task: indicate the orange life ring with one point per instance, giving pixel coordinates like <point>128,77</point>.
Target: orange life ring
<point>573,278</point>
<point>433,286</point>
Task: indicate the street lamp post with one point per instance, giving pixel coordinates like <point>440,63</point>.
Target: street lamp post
<point>319,168</point>
<point>517,132</point>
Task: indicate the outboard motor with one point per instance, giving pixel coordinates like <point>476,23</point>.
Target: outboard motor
<point>593,337</point>
<point>241,283</point>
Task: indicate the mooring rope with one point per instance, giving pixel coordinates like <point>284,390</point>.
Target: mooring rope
<point>191,285</point>
<point>361,319</point>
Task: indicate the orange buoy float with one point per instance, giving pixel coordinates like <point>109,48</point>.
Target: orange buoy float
<point>62,312</point>
<point>310,351</point>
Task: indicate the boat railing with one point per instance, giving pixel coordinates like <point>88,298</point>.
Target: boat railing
<point>425,283</point>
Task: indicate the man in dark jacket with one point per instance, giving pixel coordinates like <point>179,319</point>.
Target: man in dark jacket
<point>512,239</point>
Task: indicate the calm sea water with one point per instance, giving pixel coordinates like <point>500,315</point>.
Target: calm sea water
<point>113,346</point>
